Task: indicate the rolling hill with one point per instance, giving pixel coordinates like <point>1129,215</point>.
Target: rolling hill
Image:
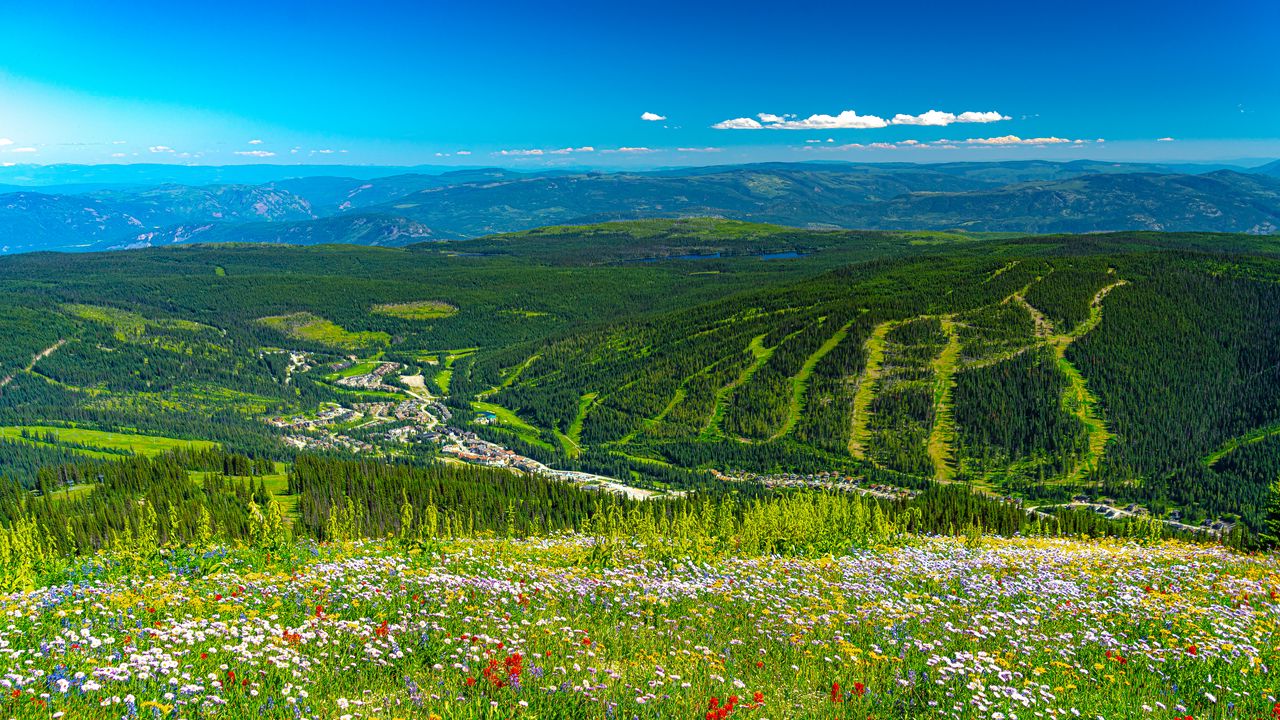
<point>1024,197</point>
<point>1139,367</point>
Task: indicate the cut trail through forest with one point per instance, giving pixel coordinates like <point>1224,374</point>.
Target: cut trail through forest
<point>34,359</point>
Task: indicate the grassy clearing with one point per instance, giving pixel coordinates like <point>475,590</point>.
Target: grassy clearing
<point>1230,446</point>
<point>137,444</point>
<point>419,310</point>
<point>277,483</point>
<point>943,432</point>
<point>511,376</point>
<point>1076,398</point>
<point>361,368</point>
<point>71,493</point>
<point>761,354</point>
<point>444,375</point>
<point>572,440</point>
<point>312,328</point>
<point>513,422</point>
<point>867,389</point>
<point>800,383</point>
<point>126,323</point>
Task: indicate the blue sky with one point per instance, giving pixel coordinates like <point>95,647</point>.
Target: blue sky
<point>555,83</point>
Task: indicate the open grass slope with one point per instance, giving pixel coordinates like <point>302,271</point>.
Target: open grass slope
<point>137,444</point>
<point>942,434</point>
<point>800,381</point>
<point>867,389</point>
<point>760,354</point>
<point>417,310</point>
<point>315,329</point>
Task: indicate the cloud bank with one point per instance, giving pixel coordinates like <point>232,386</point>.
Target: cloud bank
<point>851,120</point>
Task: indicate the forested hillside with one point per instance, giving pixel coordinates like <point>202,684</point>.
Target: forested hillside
<point>666,355</point>
<point>146,207</point>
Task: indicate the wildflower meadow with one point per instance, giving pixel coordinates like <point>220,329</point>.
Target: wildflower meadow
<point>545,628</point>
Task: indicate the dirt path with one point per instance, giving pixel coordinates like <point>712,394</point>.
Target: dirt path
<point>35,359</point>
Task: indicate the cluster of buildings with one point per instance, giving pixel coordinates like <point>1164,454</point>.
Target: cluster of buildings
<point>469,447</point>
<point>1105,507</point>
<point>373,380</point>
<point>829,480</point>
<point>328,415</point>
<point>328,442</point>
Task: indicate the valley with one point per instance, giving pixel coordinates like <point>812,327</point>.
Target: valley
<point>996,365</point>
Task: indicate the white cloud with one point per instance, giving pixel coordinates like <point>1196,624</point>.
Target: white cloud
<point>1006,140</point>
<point>1164,139</point>
<point>255,142</point>
<point>24,150</point>
<point>635,150</point>
<point>738,124</point>
<point>534,151</point>
<point>118,142</point>
<point>118,155</point>
<point>5,141</point>
<point>699,150</point>
<point>937,118</point>
<point>464,152</point>
<point>160,149</point>
<point>847,120</point>
<point>568,150</point>
<point>851,120</point>
<point>652,117</point>
<point>1003,141</point>
<point>256,153</point>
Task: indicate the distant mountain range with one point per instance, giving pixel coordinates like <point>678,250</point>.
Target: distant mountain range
<point>95,212</point>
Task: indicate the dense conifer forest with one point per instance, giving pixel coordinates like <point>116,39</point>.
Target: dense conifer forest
<point>1134,368</point>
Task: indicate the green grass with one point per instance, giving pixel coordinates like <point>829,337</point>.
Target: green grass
<point>823,637</point>
<point>276,483</point>
<point>312,328</point>
<point>361,368</point>
<point>867,389</point>
<point>71,493</point>
<point>760,355</point>
<point>510,420</point>
<point>126,323</point>
<point>942,434</point>
<point>511,376</point>
<point>1230,446</point>
<point>571,440</point>
<point>135,443</point>
<point>419,310</point>
<point>1076,397</point>
<point>444,375</point>
<point>800,382</point>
